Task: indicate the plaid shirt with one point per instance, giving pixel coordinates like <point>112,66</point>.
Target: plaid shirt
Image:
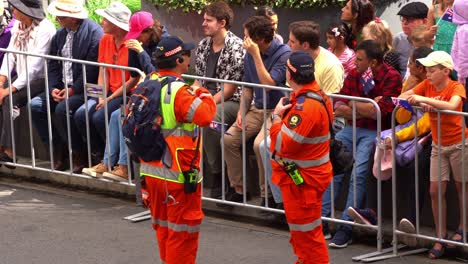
<point>387,84</point>
<point>230,63</point>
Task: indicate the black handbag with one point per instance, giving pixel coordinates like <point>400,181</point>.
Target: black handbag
<point>341,158</point>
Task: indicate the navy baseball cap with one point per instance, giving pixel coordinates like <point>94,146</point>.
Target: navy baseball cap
<point>169,46</point>
<point>300,61</point>
<point>414,9</point>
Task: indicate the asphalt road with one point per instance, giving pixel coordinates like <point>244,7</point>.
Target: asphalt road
<point>41,224</point>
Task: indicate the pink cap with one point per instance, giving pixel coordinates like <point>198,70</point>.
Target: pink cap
<point>138,22</point>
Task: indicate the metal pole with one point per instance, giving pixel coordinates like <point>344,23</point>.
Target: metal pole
<point>463,179</point>
<point>439,190</point>
<point>394,182</point>
<point>49,118</point>
<point>88,137</point>
<point>122,111</point>
<point>244,150</point>
<point>106,120</point>
<point>10,99</point>
<point>28,90</point>
<point>223,165</point>
<point>354,155</point>
<point>265,135</point>
<point>67,108</point>
<point>416,170</point>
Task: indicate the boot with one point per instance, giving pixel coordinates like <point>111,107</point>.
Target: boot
<point>79,161</point>
<point>60,157</point>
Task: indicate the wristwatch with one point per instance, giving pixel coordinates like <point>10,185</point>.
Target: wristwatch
<point>273,116</point>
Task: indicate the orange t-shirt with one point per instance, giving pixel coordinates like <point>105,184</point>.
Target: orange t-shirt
<point>108,53</point>
<point>450,125</point>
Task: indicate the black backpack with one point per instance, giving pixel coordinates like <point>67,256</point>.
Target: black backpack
<point>142,122</point>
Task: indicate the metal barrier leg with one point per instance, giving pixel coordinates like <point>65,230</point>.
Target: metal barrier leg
<point>146,215</point>
<point>389,256</point>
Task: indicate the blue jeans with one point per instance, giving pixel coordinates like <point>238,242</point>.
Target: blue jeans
<point>116,142</point>
<point>59,120</point>
<point>275,190</point>
<point>365,139</point>
<point>97,122</point>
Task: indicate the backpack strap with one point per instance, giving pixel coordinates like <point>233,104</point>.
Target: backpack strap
<point>317,97</point>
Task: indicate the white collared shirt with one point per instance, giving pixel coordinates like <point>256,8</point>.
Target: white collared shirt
<point>38,43</point>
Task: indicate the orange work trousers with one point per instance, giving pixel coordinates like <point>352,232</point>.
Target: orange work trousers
<point>176,222</point>
<point>303,206</point>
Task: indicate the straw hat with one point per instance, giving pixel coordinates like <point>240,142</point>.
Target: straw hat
<point>68,8</point>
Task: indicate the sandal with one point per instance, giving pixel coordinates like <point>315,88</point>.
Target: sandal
<point>437,253</point>
<point>460,233</point>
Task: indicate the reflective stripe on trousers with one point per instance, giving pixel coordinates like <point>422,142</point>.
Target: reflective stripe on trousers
<point>176,227</point>
<point>305,227</point>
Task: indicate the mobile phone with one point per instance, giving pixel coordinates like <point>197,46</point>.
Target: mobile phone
<point>285,101</point>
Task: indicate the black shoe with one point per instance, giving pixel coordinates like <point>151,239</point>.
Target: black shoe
<point>216,193</point>
<point>271,202</point>
<point>5,158</point>
<point>276,218</point>
<point>233,197</point>
<point>238,197</point>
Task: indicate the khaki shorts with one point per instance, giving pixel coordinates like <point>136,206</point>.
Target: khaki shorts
<point>451,161</point>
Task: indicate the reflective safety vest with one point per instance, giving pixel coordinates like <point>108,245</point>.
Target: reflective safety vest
<point>181,138</point>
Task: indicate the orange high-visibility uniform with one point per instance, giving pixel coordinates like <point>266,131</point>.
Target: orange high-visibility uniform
<point>177,220</point>
<point>303,138</point>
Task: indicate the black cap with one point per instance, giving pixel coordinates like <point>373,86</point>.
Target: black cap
<point>170,46</point>
<point>414,9</point>
<point>300,61</point>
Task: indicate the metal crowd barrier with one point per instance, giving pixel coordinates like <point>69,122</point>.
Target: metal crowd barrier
<point>396,249</point>
<point>84,64</point>
<point>144,215</point>
<point>245,203</point>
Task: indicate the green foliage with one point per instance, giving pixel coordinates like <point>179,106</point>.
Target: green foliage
<point>92,5</point>
<point>197,5</point>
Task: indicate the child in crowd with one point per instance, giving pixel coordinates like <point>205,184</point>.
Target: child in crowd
<point>439,26</point>
<point>379,31</point>
<point>337,36</point>
<point>438,91</point>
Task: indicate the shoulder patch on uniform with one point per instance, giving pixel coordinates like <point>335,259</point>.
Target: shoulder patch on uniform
<point>294,120</point>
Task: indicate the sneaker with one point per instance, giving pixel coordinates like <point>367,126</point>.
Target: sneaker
<point>407,227</point>
<point>363,216</point>
<point>326,231</point>
<point>16,112</point>
<point>119,173</point>
<point>95,171</point>
<point>341,239</point>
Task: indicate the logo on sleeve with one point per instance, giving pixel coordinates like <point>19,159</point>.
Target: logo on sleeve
<point>294,120</point>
